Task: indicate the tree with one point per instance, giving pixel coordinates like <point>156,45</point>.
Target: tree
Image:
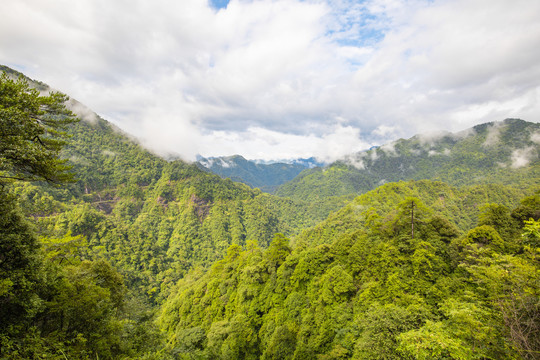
<point>411,212</point>
<point>500,218</point>
<point>20,266</point>
<point>32,128</point>
<point>380,327</point>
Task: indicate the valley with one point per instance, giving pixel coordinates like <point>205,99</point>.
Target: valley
<point>422,248</point>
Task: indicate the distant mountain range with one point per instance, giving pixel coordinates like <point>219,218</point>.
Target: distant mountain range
<point>265,175</point>
<point>505,152</point>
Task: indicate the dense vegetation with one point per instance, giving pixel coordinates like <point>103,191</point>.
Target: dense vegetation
<point>53,303</point>
<point>130,211</point>
<point>407,286</point>
<point>32,126</point>
<point>460,206</point>
<point>502,152</point>
<point>151,218</point>
<point>416,269</point>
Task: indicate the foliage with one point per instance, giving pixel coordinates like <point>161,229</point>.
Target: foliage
<point>376,292</point>
<point>31,130</point>
<point>458,208</point>
<point>56,304</point>
<point>53,303</point>
<point>20,266</point>
<point>151,218</point>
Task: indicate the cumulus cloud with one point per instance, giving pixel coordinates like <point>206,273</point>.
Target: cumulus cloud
<point>384,131</point>
<point>276,78</point>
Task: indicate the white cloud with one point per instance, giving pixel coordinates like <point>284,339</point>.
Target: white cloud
<point>264,144</point>
<point>373,155</point>
<point>226,164</point>
<point>522,157</point>
<point>431,137</point>
<point>356,162</point>
<point>389,149</point>
<point>445,152</point>
<point>493,133</point>
<point>385,131</point>
<point>535,137</point>
<point>356,159</point>
<point>190,79</point>
<point>81,111</point>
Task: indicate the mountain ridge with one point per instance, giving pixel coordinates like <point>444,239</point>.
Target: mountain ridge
<point>492,152</point>
<point>265,175</point>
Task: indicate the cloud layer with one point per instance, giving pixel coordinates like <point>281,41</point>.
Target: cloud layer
<point>275,79</point>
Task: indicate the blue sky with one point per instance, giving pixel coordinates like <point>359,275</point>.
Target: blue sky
<point>277,79</point>
<point>219,4</point>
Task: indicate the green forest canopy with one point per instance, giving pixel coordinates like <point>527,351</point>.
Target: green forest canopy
<point>412,270</point>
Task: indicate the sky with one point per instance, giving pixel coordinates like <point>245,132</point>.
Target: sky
<point>282,79</point>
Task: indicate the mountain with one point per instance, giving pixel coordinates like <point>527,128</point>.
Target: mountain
<point>151,218</point>
<point>505,152</point>
<point>103,252</point>
<point>410,269</point>
<point>266,176</point>
<point>154,219</point>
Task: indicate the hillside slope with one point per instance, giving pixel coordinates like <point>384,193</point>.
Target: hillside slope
<point>376,290</point>
<point>152,219</point>
<point>461,206</point>
<point>415,269</point>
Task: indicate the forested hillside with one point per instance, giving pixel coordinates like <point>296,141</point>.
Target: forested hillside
<point>149,219</point>
<point>409,285</point>
<point>504,152</point>
<point>414,269</point>
<point>459,206</point>
<point>56,301</point>
<point>152,218</point>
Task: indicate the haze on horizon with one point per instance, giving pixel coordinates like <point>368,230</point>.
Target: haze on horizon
<point>282,79</point>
